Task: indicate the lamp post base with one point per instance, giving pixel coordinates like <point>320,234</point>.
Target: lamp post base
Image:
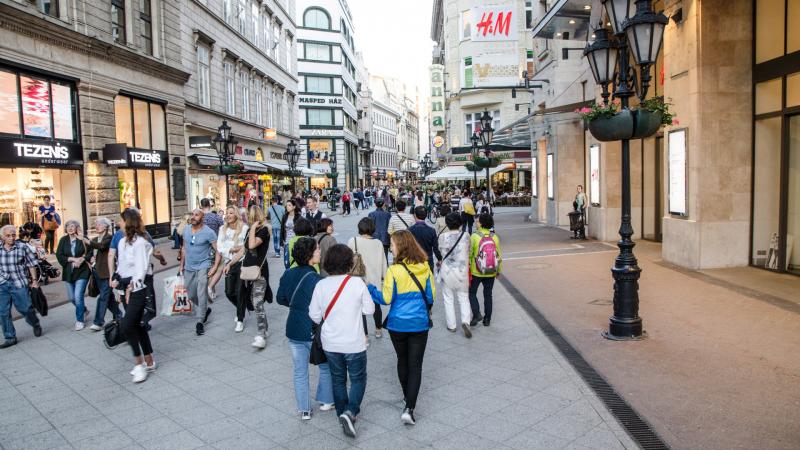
<point>611,337</point>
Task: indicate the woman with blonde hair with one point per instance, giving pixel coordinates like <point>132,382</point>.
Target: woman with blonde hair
<point>230,241</point>
<point>408,287</point>
<point>253,294</point>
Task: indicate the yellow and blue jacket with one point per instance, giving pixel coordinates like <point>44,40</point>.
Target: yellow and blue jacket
<point>409,312</point>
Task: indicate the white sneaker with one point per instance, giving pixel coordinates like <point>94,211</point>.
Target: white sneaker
<point>151,368</point>
<point>95,327</point>
<point>326,406</point>
<point>79,326</point>
<point>259,342</point>
<point>139,373</point>
<point>239,327</point>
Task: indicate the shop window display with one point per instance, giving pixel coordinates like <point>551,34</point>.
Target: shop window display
<point>22,190</point>
<point>47,107</point>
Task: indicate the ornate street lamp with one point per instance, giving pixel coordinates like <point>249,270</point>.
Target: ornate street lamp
<point>225,145</point>
<point>642,33</point>
<point>368,151</point>
<point>292,157</point>
<point>487,133</point>
<point>475,154</point>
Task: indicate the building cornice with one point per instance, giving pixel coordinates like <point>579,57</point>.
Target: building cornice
<point>49,32</point>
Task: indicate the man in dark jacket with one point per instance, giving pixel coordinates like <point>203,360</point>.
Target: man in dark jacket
<point>381,218</point>
<point>425,235</point>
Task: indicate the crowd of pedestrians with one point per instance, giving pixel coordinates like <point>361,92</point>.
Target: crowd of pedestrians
<point>397,260</point>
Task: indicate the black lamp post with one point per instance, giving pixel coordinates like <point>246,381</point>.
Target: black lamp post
<point>368,150</point>
<point>641,34</point>
<point>292,156</point>
<point>225,144</point>
<point>475,153</point>
<point>487,133</point>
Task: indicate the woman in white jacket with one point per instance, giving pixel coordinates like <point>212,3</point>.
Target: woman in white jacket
<point>453,273</point>
<point>133,255</point>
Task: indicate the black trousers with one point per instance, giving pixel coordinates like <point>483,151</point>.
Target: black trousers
<point>233,288</point>
<point>345,207</point>
<point>488,285</point>
<point>410,349</point>
<point>468,220</point>
<point>377,316</point>
<point>132,326</point>
<point>49,240</point>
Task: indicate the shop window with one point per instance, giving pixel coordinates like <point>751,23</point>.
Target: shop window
<point>35,107</point>
<point>139,123</point>
<point>793,33</point>
<point>9,103</point>
<point>792,90</point>
<point>770,31</point>
<point>22,190</point>
<point>144,183</point>
<point>47,107</point>
<point>793,192</point>
<point>766,192</point>
<point>118,21</point>
<point>768,96</point>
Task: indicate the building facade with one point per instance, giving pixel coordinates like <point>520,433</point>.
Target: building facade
<point>243,65</point>
<point>93,118</point>
<point>328,92</point>
<point>481,55</point>
<point>719,187</point>
<point>385,125</point>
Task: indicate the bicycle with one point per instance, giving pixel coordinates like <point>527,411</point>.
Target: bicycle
<point>433,214</point>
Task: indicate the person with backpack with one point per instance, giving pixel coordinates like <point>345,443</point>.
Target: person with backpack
<point>485,259</point>
<point>337,305</point>
<point>409,288</point>
<point>325,239</point>
<point>401,220</point>
<point>482,206</point>
<point>454,273</point>
<point>467,210</point>
<point>295,290</point>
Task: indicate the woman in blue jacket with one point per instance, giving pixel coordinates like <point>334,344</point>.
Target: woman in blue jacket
<point>409,288</point>
<point>295,289</point>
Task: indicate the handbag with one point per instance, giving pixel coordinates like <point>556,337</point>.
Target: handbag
<point>112,334</point>
<point>252,273</point>
<point>317,354</point>
<point>359,269</point>
<point>92,290</point>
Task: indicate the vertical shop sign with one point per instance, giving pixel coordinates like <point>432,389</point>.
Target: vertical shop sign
<point>437,98</point>
<point>594,175</point>
<point>677,172</point>
<point>534,179</point>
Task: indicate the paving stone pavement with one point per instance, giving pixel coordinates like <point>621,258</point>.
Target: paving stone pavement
<point>505,388</point>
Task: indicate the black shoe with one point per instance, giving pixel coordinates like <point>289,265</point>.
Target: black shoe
<point>199,329</point>
<point>9,343</point>
<point>408,416</point>
<point>475,319</point>
<point>208,313</point>
<point>486,321</point>
<point>347,424</point>
<point>37,330</point>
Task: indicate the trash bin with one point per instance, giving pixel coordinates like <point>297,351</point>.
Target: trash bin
<point>576,224</point>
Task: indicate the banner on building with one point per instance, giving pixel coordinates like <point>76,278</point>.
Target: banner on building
<point>677,172</point>
<point>491,70</point>
<point>437,98</point>
<point>594,175</point>
<point>493,23</point>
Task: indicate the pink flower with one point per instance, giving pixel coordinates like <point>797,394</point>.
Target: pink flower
<point>676,122</point>
<point>616,101</point>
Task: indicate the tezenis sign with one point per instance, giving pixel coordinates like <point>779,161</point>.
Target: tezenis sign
<point>45,153</point>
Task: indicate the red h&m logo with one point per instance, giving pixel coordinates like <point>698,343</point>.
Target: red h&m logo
<point>489,26</point>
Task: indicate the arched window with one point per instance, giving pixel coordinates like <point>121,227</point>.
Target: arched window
<point>316,18</point>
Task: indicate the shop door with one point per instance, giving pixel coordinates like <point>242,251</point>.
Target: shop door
<point>652,188</point>
<point>69,184</point>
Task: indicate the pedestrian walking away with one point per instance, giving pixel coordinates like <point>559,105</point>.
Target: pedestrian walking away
<point>230,243</point>
<point>454,273</point>
<point>74,257</point>
<point>196,261</point>
<point>210,218</point>
<point>302,227</point>
<point>275,214</point>
<point>133,263</point>
<point>425,235</point>
<point>17,272</point>
<point>381,218</point>
<point>339,301</point>
<point>325,239</point>
<point>295,291</point>
<point>253,293</point>
<point>467,210</point>
<point>409,288</point>
<point>401,220</point>
<point>374,259</point>
<point>100,246</point>
<point>485,258</point>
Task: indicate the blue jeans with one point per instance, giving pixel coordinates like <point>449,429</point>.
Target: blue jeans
<point>105,301</point>
<point>356,365</point>
<point>300,354</point>
<point>22,301</point>
<point>75,293</point>
<point>276,240</point>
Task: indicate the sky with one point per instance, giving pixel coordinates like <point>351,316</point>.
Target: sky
<point>395,38</point>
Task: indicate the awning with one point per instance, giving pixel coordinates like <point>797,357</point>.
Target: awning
<point>277,166</point>
<point>569,19</point>
<point>204,160</point>
<point>253,166</point>
<point>461,172</point>
<point>211,161</point>
<point>309,172</point>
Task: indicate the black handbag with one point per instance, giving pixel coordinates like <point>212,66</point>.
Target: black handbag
<point>112,334</point>
<point>92,290</point>
<point>317,354</point>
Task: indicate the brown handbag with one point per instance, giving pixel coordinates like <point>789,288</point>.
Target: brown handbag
<point>359,269</point>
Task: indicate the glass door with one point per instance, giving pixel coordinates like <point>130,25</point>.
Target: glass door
<point>792,242</point>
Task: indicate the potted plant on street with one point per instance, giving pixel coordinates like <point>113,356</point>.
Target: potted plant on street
<point>607,122</point>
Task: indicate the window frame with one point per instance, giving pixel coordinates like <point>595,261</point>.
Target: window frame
<point>150,103</point>
<point>203,76</point>
<point>230,87</point>
<point>18,74</point>
<point>121,37</point>
<point>324,12</point>
<point>146,22</point>
<point>244,91</point>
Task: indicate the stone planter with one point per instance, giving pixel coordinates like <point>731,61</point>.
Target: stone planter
<point>646,123</point>
<point>614,128</point>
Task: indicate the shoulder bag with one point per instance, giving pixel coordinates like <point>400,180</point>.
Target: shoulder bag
<point>317,354</point>
<point>401,220</point>
<point>252,273</point>
<point>358,269</point>
<point>299,283</point>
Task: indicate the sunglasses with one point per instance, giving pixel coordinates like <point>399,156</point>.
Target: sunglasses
<point>192,242</point>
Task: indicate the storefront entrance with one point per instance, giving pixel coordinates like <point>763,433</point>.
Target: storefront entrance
<point>23,189</point>
<point>147,190</point>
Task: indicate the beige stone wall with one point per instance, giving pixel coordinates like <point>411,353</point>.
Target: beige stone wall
<point>708,78</point>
